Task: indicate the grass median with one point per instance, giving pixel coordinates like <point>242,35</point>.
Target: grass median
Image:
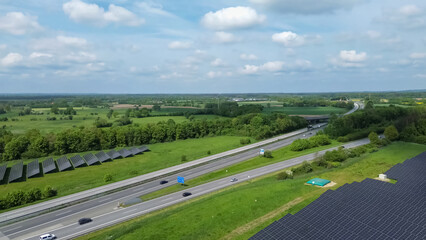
<point>240,211</point>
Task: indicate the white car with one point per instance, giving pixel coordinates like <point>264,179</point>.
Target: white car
<point>47,236</point>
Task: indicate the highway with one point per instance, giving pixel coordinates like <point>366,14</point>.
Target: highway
<point>106,204</point>
<point>68,228</point>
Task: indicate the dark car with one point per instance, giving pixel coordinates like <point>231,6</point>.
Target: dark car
<point>164,182</point>
<point>84,220</point>
<point>186,194</point>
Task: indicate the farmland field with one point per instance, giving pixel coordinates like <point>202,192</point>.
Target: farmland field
<point>306,110</point>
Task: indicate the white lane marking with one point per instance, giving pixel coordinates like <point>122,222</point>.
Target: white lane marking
<point>104,200</point>
<point>59,214</point>
<point>11,229</point>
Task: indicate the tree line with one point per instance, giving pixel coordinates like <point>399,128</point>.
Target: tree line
<point>33,144</point>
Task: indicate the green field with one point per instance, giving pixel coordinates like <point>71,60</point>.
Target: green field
<point>85,117</point>
<point>161,155</point>
<point>279,155</point>
<point>250,206</point>
<point>306,110</point>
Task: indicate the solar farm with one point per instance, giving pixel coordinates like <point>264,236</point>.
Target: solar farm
<point>49,165</point>
<point>370,209</point>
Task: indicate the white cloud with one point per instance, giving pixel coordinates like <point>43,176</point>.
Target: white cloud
<point>40,55</point>
<point>17,23</point>
<point>225,37</point>
<point>406,17</point>
<point>232,18</point>
<point>418,55</point>
<point>213,74</point>
<point>307,6</point>
<point>180,45</point>
<point>373,34</point>
<point>171,75</point>
<point>95,67</point>
<point>82,12</point>
<point>3,46</point>
<point>410,10</point>
<point>11,59</point>
<point>72,41</point>
<point>153,8</point>
<point>350,58</point>
<point>291,39</point>
<point>420,76</point>
<point>81,57</point>
<point>274,66</point>
<point>248,56</point>
<point>288,39</point>
<point>217,63</point>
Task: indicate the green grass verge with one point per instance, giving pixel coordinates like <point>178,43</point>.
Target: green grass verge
<point>162,155</point>
<point>216,215</point>
<point>279,155</point>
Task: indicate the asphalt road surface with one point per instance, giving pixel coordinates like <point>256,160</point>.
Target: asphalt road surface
<point>64,222</point>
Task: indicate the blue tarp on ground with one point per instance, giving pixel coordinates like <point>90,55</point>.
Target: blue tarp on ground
<point>318,181</point>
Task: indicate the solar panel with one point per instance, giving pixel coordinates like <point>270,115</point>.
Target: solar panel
<point>63,163</point>
<point>90,159</point>
<point>48,165</point>
<point>143,148</point>
<point>113,154</point>
<point>370,209</point>
<point>2,171</point>
<point>102,156</point>
<point>77,161</point>
<point>135,151</point>
<point>33,168</point>
<point>125,153</point>
<point>16,171</point>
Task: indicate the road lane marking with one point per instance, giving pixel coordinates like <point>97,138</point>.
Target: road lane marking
<point>63,213</point>
<point>104,200</point>
<point>11,229</point>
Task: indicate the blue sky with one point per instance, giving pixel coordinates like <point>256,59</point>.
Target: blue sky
<point>122,46</point>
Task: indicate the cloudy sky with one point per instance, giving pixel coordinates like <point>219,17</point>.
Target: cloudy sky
<point>220,46</point>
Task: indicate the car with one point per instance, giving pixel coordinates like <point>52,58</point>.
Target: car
<point>82,221</point>
<point>234,179</point>
<point>47,236</point>
<point>186,194</point>
<point>164,182</point>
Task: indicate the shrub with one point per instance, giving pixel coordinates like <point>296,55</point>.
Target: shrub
<point>107,177</point>
<point>319,140</point>
<point>300,145</point>
<point>49,192</point>
<point>183,158</point>
<point>374,138</point>
<point>391,133</point>
<point>333,164</point>
<point>343,139</point>
<point>244,141</point>
<point>33,195</point>
<point>335,156</point>
<point>305,168</point>
<point>282,176</point>
<point>209,152</point>
<point>267,154</point>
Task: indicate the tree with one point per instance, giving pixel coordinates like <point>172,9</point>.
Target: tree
<point>267,154</point>
<point>369,105</point>
<point>391,133</point>
<point>109,114</point>
<point>54,109</point>
<point>156,107</point>
<point>374,138</point>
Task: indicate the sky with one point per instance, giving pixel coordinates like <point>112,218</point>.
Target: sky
<point>220,46</point>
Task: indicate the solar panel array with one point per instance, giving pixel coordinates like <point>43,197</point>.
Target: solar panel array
<point>125,153</point>
<point>33,168</point>
<point>2,171</point>
<point>143,148</point>
<point>102,156</point>
<point>48,165</point>
<point>63,163</point>
<point>135,151</point>
<point>113,154</point>
<point>77,161</point>
<point>370,209</point>
<point>16,171</point>
<point>90,159</point>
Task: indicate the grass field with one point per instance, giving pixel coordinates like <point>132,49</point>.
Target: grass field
<point>250,206</point>
<point>279,155</point>
<point>162,155</point>
<point>305,110</point>
<point>85,117</point>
